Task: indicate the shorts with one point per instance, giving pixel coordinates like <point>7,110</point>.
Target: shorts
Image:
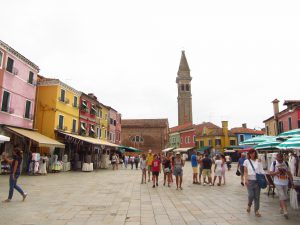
<point>155,173</point>
<point>206,172</point>
<point>149,168</point>
<point>218,173</point>
<point>178,172</point>
<point>167,170</point>
<point>195,169</point>
<point>200,170</point>
<point>282,192</point>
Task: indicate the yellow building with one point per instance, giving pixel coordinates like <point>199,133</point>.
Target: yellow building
<point>56,107</point>
<point>211,135</point>
<point>103,121</point>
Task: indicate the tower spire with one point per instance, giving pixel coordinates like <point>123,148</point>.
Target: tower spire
<point>184,69</point>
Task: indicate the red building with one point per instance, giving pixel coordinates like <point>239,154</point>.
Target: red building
<point>187,135</point>
<point>289,118</point>
<point>87,115</point>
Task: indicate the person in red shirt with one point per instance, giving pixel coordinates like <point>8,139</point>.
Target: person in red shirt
<point>156,169</point>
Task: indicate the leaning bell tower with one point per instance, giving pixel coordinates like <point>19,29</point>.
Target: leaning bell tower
<point>184,99</point>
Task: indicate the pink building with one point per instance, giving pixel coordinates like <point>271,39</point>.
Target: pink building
<point>118,129</point>
<point>17,88</point>
<point>112,123</point>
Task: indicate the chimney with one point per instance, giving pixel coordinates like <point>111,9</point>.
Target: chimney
<point>275,106</point>
<point>244,125</point>
<point>225,132</point>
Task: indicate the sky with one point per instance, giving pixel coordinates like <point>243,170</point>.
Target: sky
<point>242,54</point>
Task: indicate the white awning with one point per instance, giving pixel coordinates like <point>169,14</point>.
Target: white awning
<point>4,138</point>
<point>92,130</point>
<point>84,104</point>
<point>182,149</point>
<point>82,127</point>
<point>167,149</point>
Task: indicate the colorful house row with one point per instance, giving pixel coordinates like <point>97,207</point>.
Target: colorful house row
<point>210,135</point>
<point>285,120</point>
<point>37,112</point>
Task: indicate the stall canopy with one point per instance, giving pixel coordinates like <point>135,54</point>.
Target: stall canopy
<point>182,150</point>
<point>94,141</point>
<point>257,140</point>
<point>39,139</point>
<point>267,145</point>
<point>129,149</point>
<point>290,144</point>
<point>203,149</point>
<point>167,150</point>
<point>4,138</point>
<point>289,134</point>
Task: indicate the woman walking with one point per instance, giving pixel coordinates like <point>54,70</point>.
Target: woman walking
<point>251,167</point>
<point>15,173</point>
<point>218,170</point>
<point>167,169</point>
<point>223,169</point>
<point>178,172</point>
<point>156,169</point>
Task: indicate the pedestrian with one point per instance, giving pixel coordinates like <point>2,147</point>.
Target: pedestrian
<point>206,172</point>
<point>200,157</point>
<point>136,161</point>
<point>156,169</point>
<point>194,163</point>
<point>223,169</point>
<point>251,167</point>
<point>15,173</point>
<point>149,163</point>
<point>143,166</point>
<point>126,161</point>
<point>218,170</point>
<point>282,175</point>
<point>178,171</point>
<point>167,169</point>
<point>43,165</point>
<point>114,161</point>
<point>228,161</point>
<point>240,167</point>
<point>131,160</point>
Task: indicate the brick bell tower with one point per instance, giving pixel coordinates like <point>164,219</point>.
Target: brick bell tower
<point>184,99</point>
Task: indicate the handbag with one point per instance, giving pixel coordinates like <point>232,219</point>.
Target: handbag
<point>238,173</point>
<point>294,199</point>
<point>260,178</point>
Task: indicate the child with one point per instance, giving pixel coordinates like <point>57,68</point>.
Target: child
<point>143,166</point>
<point>156,169</point>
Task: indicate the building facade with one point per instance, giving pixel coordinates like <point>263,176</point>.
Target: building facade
<point>145,134</point>
<point>57,107</point>
<point>118,128</point>
<point>184,99</point>
<point>285,120</point>
<point>103,114</point>
<point>182,136</point>
<point>87,115</point>
<point>18,77</point>
<point>112,125</point>
<point>243,133</point>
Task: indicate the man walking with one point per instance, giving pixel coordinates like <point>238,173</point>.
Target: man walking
<point>281,172</point>
<point>149,160</point>
<point>194,163</point>
<point>206,172</point>
<point>240,167</point>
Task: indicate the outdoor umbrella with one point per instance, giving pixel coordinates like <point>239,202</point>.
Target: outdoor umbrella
<point>257,140</point>
<point>129,149</point>
<point>289,134</point>
<point>4,138</point>
<point>292,143</point>
<point>267,145</point>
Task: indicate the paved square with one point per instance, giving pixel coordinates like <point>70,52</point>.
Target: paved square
<point>117,197</point>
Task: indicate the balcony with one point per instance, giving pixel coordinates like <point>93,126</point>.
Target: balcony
<point>84,108</point>
<point>82,132</point>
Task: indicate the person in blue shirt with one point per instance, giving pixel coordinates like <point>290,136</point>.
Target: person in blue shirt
<point>194,163</point>
<point>240,167</point>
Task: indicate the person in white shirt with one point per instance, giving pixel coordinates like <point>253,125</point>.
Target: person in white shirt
<point>281,172</point>
<point>218,170</point>
<point>251,182</point>
<point>143,166</point>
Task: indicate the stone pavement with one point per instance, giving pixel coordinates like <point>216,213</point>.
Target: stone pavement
<point>117,197</point>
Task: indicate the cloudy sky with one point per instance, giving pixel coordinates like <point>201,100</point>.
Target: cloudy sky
<point>242,54</point>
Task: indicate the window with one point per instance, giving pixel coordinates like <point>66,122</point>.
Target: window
<point>253,136</point>
<point>267,128</point>
<point>201,144</point>
<point>75,104</point>
<point>111,121</point>
<point>290,123</point>
<point>105,134</point>
<point>182,87</point>
<point>27,109</point>
<point>181,140</point>
<point>298,123</point>
<point>217,141</point>
<point>109,136</point>
<point>194,138</point>
<point>10,65</point>
<point>100,113</point>
<point>280,127</point>
<point>187,87</point>
<point>30,78</point>
<point>242,138</point>
<point>62,95</point>
<point>5,101</point>
<point>74,125</point>
<point>1,58</point>
<point>209,143</point>
<point>232,142</point>
<point>60,122</point>
<point>100,133</point>
<point>115,122</point>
